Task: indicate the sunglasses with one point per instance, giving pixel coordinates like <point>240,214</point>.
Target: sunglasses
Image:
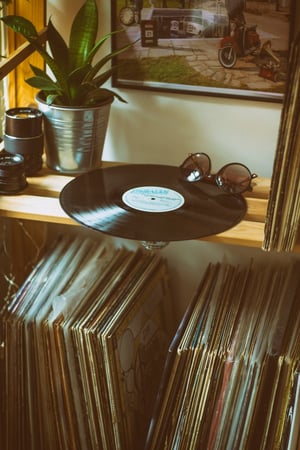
<point>233,178</point>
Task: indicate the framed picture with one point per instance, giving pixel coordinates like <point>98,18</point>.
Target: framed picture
<point>229,48</point>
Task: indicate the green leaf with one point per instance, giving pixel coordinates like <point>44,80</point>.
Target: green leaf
<point>52,98</point>
<point>83,34</point>
<point>77,89</point>
<point>103,77</point>
<point>60,76</point>
<point>78,75</point>
<point>100,42</point>
<point>21,25</point>
<point>105,60</point>
<point>119,97</point>
<point>39,72</point>
<point>99,95</point>
<point>39,76</point>
<point>79,94</point>
<point>43,83</point>
<point>58,47</point>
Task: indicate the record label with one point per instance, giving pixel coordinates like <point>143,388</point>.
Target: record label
<point>154,199</point>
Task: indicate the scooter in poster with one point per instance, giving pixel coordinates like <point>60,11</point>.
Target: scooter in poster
<point>242,40</point>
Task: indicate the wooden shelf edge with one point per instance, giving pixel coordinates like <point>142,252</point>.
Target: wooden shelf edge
<point>29,207</point>
<point>39,202</point>
<point>246,234</point>
<point>46,209</point>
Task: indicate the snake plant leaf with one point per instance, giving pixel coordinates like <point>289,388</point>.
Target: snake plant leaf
<point>100,42</point>
<point>59,75</point>
<point>42,80</point>
<point>103,77</point>
<point>40,72</point>
<point>79,95</point>
<point>93,72</point>
<point>43,84</point>
<point>58,47</point>
<point>98,95</point>
<point>51,98</point>
<point>83,34</point>
<point>77,88</point>
<point>78,75</point>
<point>118,96</point>
<point>21,25</point>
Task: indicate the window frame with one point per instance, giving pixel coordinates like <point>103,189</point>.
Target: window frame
<point>19,92</point>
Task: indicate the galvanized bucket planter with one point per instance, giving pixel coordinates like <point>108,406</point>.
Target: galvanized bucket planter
<point>74,136</point>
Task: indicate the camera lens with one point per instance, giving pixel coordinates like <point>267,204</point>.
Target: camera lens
<point>12,173</point>
<point>23,122</point>
<point>23,135</point>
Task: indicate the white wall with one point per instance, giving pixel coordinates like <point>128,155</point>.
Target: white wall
<point>163,128</point>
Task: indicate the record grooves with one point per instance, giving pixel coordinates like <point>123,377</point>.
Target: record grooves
<point>150,202</point>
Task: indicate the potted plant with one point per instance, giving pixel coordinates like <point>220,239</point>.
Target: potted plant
<point>71,96</point>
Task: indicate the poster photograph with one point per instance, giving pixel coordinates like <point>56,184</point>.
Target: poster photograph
<point>228,48</point>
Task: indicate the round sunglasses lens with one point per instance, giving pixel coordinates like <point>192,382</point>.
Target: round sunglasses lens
<point>195,167</point>
<point>234,178</point>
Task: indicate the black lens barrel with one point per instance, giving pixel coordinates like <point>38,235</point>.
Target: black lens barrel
<point>12,173</point>
<point>23,135</point>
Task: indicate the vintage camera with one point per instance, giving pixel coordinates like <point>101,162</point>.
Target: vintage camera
<point>24,136</point>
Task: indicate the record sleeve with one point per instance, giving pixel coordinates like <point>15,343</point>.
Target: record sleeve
<point>150,202</point>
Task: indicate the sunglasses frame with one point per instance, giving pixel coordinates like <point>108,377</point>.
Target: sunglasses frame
<point>217,177</point>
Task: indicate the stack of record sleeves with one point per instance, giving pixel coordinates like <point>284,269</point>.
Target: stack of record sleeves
<point>85,342</point>
<point>283,213</point>
<point>231,380</point>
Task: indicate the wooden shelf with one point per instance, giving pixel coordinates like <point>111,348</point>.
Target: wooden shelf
<point>39,202</point>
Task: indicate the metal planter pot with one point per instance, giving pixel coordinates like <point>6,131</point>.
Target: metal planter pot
<point>74,136</point>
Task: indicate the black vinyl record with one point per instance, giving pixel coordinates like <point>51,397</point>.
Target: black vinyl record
<point>150,202</point>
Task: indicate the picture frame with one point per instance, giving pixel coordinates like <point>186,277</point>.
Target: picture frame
<point>203,47</point>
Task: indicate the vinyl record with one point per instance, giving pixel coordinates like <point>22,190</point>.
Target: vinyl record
<point>150,202</point>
